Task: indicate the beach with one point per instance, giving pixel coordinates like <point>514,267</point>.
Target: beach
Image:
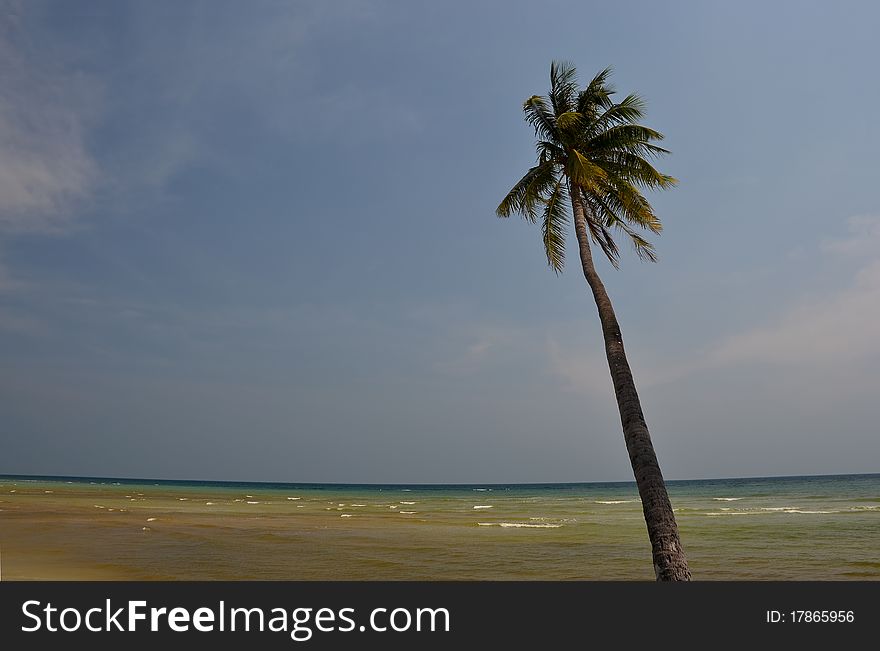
<point>791,528</point>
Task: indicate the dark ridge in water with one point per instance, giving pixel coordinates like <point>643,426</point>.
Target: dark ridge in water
<point>560,486</point>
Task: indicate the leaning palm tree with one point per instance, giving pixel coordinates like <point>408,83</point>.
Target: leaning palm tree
<point>594,155</point>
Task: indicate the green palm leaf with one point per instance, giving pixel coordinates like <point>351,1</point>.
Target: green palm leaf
<point>554,223</point>
<point>595,149</point>
<point>563,87</point>
<point>529,193</point>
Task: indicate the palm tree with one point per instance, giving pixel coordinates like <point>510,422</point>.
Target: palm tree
<point>593,154</point>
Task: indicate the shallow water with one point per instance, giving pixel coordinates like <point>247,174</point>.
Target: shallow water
<point>824,527</point>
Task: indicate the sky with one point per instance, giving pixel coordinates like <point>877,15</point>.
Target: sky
<point>256,241</point>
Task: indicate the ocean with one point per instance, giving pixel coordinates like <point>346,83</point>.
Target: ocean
<point>778,528</point>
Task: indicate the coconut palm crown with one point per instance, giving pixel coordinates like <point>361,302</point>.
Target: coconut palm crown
<point>591,149</point>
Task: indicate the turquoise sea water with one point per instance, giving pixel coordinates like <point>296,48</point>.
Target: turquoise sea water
<point>824,527</point>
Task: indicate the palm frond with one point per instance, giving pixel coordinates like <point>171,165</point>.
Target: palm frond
<point>563,87</point>
<point>628,137</point>
<point>540,116</point>
<point>553,225</point>
<point>600,234</point>
<point>527,195</point>
<point>550,151</point>
<point>570,125</point>
<point>582,171</point>
<point>628,203</point>
<point>596,95</point>
<point>635,169</point>
<point>627,111</point>
<point>610,219</point>
<point>643,248</point>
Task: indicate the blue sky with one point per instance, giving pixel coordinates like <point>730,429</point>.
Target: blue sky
<point>258,242</point>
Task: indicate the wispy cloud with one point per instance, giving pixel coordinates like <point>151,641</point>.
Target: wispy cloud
<point>863,240</point>
<point>254,63</point>
<point>476,346</point>
<point>835,328</point>
<point>825,336</point>
<point>581,368</point>
<point>45,164</point>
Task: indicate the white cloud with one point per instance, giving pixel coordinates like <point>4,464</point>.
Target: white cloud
<point>258,63</point>
<point>834,329</point>
<point>864,238</point>
<point>474,346</point>
<point>832,335</point>
<point>45,165</point>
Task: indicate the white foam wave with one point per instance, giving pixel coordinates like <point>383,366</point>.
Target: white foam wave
<point>614,501</point>
<point>726,499</point>
<point>407,512</point>
<point>769,510</point>
<point>407,502</point>
<point>483,506</point>
<point>345,515</point>
<point>804,511</point>
<point>294,498</point>
<point>253,502</point>
<point>519,525</point>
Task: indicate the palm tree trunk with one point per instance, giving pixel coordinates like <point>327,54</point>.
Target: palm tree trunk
<point>670,563</point>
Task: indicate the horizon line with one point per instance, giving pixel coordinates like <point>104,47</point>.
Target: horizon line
<point>411,484</point>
